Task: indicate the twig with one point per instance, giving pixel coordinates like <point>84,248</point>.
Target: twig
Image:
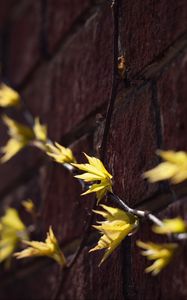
<point>139,213</point>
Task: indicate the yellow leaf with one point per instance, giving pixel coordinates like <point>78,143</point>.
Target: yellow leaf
<point>95,171</point>
<point>12,220</point>
<point>40,131</point>
<point>12,231</point>
<point>60,154</point>
<point>48,248</point>
<point>162,254</point>
<point>20,136</point>
<point>174,167</point>
<point>176,225</point>
<point>12,147</point>
<point>116,226</point>
<point>28,205</point>
<point>8,96</point>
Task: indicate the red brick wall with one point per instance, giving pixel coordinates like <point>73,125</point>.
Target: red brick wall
<point>59,54</point>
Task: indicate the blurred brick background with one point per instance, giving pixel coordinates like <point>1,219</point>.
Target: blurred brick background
<point>58,54</point>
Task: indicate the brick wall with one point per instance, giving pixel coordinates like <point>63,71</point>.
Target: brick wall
<point>59,55</point>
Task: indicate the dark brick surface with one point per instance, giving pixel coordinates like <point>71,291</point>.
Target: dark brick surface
<point>23,51</point>
<point>83,72</point>
<point>29,284</point>
<point>172,91</point>
<point>4,12</point>
<point>132,143</point>
<point>19,168</point>
<point>155,25</point>
<point>91,282</point>
<point>60,15</point>
<point>39,99</point>
<point>16,194</point>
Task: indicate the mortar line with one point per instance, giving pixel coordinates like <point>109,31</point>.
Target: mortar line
<point>115,81</point>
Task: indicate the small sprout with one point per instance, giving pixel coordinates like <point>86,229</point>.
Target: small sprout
<point>162,254</point>
<point>60,154</point>
<point>122,66</point>
<point>48,248</point>
<point>8,96</point>
<point>12,231</point>
<point>29,206</point>
<point>20,135</point>
<point>40,130</point>
<point>176,225</point>
<point>95,171</point>
<point>114,229</point>
<point>174,167</point>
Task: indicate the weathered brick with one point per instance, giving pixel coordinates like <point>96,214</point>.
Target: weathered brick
<point>132,142</point>
<point>86,280</point>
<point>60,16</point>
<point>82,77</point>
<point>37,94</point>
<point>28,282</point>
<point>88,91</point>
<point>22,191</point>
<point>148,29</point>
<point>18,169</point>
<point>23,49</point>
<point>172,90</point>
<point>4,12</point>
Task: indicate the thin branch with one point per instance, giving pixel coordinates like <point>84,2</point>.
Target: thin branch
<point>139,213</point>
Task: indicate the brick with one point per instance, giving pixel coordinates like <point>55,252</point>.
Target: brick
<point>37,94</point>
<point>23,49</point>
<point>4,10</point>
<point>132,141</point>
<point>86,280</point>
<point>172,92</point>
<point>82,80</point>
<point>28,283</point>
<point>64,208</point>
<point>147,30</point>
<point>168,284</point>
<point>23,165</point>
<point>38,97</point>
<point>60,16</point>
<point>22,191</point>
<point>60,76</point>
